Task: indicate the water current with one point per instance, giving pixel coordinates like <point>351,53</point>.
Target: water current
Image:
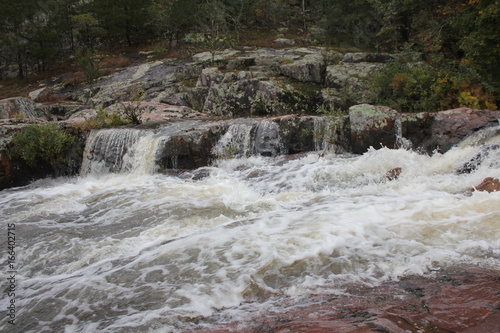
<point>138,251</point>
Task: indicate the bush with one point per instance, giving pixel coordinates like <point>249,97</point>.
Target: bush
<point>42,144</point>
<point>405,87</point>
<point>417,87</point>
<point>103,119</point>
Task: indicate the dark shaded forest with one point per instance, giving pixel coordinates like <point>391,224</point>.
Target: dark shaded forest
<point>459,39</point>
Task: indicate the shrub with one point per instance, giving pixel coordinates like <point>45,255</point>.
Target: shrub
<point>405,87</point>
<point>103,119</point>
<point>416,87</point>
<point>42,144</point>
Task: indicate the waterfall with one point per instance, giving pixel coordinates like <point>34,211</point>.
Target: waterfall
<point>401,141</point>
<point>326,134</point>
<point>250,137</point>
<point>120,150</point>
<point>236,142</point>
<point>267,139</point>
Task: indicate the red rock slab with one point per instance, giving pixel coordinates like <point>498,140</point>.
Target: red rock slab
<point>464,300</point>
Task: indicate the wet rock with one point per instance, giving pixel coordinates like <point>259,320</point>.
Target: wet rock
<point>450,127</point>
<point>416,127</point>
<point>489,185</point>
<point>457,300</point>
<point>476,161</point>
<point>190,149</point>
<point>393,174</point>
<point>297,133</point>
<point>372,126</point>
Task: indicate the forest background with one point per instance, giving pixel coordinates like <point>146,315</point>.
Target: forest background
<point>460,40</point>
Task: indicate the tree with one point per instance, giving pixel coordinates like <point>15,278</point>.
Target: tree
<point>217,33</point>
<point>174,18</point>
<point>123,19</point>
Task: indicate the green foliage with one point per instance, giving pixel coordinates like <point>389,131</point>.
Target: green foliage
<point>420,87</point>
<point>405,87</point>
<point>330,110</point>
<point>123,19</point>
<point>103,119</point>
<point>85,59</point>
<point>42,144</point>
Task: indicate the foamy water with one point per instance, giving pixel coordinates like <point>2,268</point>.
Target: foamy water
<point>140,252</point>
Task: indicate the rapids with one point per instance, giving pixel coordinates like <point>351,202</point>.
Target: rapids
<point>137,251</point>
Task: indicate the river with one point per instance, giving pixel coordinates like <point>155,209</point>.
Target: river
<point>140,251</point>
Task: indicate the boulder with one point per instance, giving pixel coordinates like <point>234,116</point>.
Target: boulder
<point>217,56</point>
<point>416,127</point>
<point>448,128</point>
<point>393,174</point>
<point>310,68</point>
<point>210,76</point>
<point>124,84</point>
<point>348,83</point>
<point>21,107</point>
<point>489,185</point>
<point>191,148</point>
<point>372,126</point>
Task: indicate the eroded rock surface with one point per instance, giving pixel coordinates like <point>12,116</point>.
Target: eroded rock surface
<point>459,300</point>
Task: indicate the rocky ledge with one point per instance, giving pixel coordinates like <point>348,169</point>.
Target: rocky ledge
<point>455,300</point>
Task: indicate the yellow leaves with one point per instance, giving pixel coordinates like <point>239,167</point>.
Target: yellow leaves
<point>399,80</point>
<point>475,97</point>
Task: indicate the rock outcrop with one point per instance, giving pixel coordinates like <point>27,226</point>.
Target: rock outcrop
<point>450,127</point>
<point>236,82</point>
<point>428,132</point>
<point>258,83</point>
<point>19,108</point>
<point>372,126</point>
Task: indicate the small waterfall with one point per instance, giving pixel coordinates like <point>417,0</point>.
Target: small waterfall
<point>120,150</point>
<point>250,138</point>
<point>488,135</point>
<point>267,139</point>
<point>326,134</point>
<point>236,142</point>
<point>401,141</point>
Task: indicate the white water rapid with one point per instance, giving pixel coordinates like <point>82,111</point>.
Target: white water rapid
<point>139,251</point>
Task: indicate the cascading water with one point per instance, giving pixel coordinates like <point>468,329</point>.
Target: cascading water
<point>236,142</point>
<point>119,150</point>
<point>252,137</point>
<point>146,252</point>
